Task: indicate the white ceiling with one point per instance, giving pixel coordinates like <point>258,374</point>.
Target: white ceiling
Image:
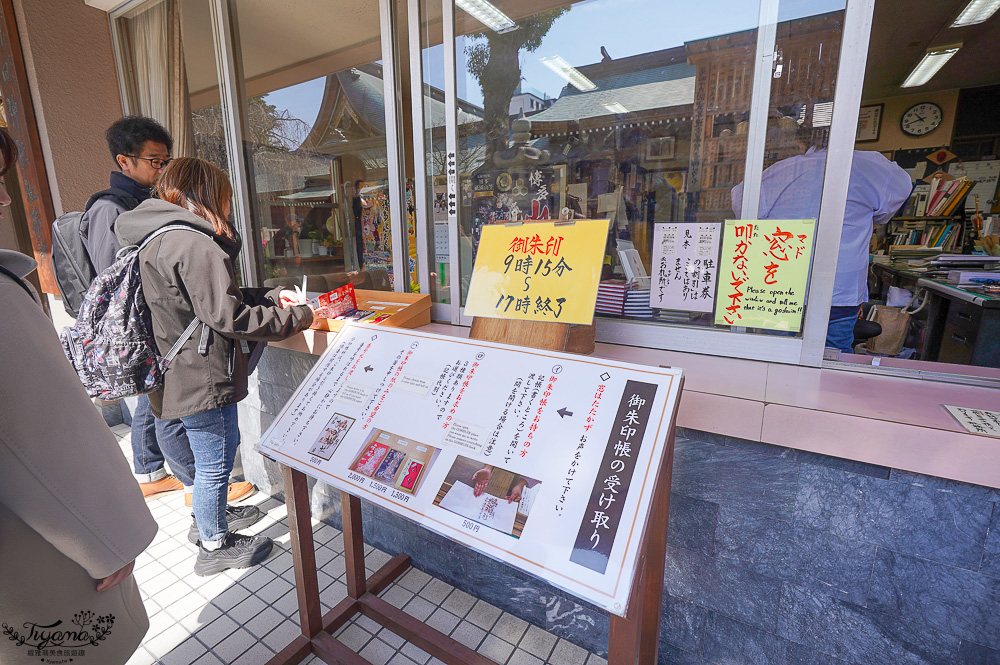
<point>903,30</point>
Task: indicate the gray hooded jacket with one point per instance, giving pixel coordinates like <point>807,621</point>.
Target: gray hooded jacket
<point>187,274</point>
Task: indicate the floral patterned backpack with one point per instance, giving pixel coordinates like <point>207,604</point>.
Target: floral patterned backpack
<point>111,347</point>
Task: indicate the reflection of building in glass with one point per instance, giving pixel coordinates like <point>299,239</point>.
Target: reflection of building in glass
<point>528,101</point>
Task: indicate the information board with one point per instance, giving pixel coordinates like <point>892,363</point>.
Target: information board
<point>543,460</point>
<point>685,266</point>
<point>538,271</point>
<point>765,271</point>
<point>976,421</point>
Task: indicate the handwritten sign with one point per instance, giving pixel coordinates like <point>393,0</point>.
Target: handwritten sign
<point>976,421</point>
<point>765,266</point>
<point>543,460</point>
<point>685,266</point>
<point>542,271</point>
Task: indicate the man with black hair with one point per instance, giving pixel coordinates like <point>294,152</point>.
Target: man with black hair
<point>141,149</point>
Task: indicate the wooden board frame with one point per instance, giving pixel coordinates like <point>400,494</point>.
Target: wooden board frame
<point>634,638</point>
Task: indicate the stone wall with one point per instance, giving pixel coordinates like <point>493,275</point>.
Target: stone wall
<point>775,556</point>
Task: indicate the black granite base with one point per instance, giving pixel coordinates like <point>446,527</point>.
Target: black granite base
<point>775,556</point>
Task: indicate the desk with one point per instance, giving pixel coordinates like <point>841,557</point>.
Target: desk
<point>963,324</point>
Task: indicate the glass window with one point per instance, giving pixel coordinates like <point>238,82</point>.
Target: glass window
<point>169,74</point>
<point>928,108</point>
<point>316,135</point>
<point>646,121</point>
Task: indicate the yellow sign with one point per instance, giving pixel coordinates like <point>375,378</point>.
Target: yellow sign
<point>538,271</point>
<point>763,273</point>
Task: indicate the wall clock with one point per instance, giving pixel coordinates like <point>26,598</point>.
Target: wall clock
<point>921,118</point>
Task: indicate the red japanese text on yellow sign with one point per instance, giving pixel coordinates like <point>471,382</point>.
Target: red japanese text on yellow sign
<point>538,271</point>
<point>763,273</point>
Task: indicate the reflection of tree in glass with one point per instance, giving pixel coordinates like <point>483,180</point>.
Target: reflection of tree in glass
<point>269,130</point>
<point>495,63</point>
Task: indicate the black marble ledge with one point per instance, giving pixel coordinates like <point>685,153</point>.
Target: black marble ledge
<point>776,556</point>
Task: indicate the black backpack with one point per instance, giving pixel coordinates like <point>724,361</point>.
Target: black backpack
<point>71,264</point>
<point>111,347</point>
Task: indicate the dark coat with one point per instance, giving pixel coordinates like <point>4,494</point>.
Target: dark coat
<point>187,274</point>
<point>97,226</point>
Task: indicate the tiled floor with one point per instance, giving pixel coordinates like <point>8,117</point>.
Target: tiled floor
<point>244,616</point>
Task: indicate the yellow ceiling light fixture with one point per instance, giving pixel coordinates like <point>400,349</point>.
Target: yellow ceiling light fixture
<point>568,72</point>
<point>487,14</point>
<point>975,12</point>
<point>934,59</point>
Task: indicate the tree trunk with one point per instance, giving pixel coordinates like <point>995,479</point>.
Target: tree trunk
<point>500,78</point>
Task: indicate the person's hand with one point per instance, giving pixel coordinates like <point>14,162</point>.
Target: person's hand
<point>115,578</point>
<point>288,298</point>
<point>481,479</point>
<point>515,492</point>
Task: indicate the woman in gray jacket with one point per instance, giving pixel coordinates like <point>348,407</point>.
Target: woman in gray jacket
<point>186,273</point>
<point>72,519</point>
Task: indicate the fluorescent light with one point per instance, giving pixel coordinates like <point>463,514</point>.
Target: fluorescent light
<point>929,65</point>
<point>568,72</point>
<point>487,14</point>
<point>616,108</point>
<point>975,12</point>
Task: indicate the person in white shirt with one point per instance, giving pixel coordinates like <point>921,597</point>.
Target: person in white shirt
<point>792,188</point>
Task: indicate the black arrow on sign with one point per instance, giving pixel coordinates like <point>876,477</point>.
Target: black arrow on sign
<point>368,368</point>
<point>563,412</point>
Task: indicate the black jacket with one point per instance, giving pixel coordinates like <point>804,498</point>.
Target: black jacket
<point>97,226</point>
<point>184,275</point>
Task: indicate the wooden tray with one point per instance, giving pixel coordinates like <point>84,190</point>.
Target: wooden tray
<point>409,310</point>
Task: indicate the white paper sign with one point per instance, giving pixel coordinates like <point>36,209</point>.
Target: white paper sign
<point>685,265</point>
<point>985,174</point>
<point>543,460</point>
<point>976,421</point>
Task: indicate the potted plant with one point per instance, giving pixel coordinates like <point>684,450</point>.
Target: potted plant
<point>329,244</point>
<point>317,243</point>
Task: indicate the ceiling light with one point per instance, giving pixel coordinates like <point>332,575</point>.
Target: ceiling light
<point>487,14</point>
<point>929,65</point>
<point>569,72</point>
<point>616,108</point>
<point>975,12</point>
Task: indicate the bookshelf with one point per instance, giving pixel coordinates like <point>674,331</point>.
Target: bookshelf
<point>945,231</point>
<point>931,232</point>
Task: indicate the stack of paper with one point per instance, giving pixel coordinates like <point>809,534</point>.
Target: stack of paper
<point>637,303</point>
<point>966,276</point>
<point>611,297</point>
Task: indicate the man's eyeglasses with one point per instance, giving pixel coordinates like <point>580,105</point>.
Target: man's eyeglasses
<point>155,162</point>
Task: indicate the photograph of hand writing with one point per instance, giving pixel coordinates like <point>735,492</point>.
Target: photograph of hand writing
<point>492,496</point>
<point>331,437</point>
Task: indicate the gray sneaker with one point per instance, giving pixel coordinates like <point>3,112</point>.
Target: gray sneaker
<point>236,552</point>
<point>237,517</point>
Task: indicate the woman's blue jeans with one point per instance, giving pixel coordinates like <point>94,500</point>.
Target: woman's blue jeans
<point>214,436</point>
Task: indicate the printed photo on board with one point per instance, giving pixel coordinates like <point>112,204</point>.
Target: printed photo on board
<point>488,495</point>
<point>394,460</point>
<point>331,437</point>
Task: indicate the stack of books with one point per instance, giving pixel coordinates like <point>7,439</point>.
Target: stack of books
<point>675,316</point>
<point>945,195</point>
<point>637,303</point>
<point>611,297</point>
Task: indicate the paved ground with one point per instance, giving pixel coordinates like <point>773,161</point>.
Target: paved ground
<point>244,616</point>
